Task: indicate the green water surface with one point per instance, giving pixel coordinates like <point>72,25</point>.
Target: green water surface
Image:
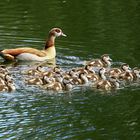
<point>93,28</point>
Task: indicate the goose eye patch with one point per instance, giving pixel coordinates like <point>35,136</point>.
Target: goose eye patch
<point>58,31</point>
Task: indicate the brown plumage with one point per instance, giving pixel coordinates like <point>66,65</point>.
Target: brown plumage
<point>116,71</point>
<point>105,61</point>
<point>32,54</point>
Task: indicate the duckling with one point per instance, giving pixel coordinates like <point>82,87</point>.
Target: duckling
<point>2,75</point>
<point>112,83</point>
<point>136,73</point>
<point>67,84</point>
<point>91,75</point>
<point>89,69</point>
<point>73,73</point>
<point>116,71</point>
<point>83,78</point>
<point>59,78</point>
<point>48,74</point>
<point>105,61</point>
<point>78,76</point>
<point>34,81</point>
<point>130,75</point>
<point>48,80</point>
<point>3,69</point>
<point>126,76</point>
<point>8,78</point>
<point>11,86</point>
<point>36,71</point>
<point>100,76</point>
<point>101,73</point>
<point>31,54</point>
<point>115,82</point>
<point>57,69</point>
<point>2,81</point>
<point>53,71</point>
<point>76,80</point>
<point>56,86</point>
<point>126,67</point>
<point>3,88</point>
<point>76,71</point>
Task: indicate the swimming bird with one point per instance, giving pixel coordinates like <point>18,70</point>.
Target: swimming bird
<point>83,78</point>
<point>3,88</point>
<point>101,73</point>
<point>136,73</point>
<point>34,81</point>
<point>3,69</point>
<point>112,83</point>
<point>105,61</point>
<point>32,54</point>
<point>100,76</point>
<point>116,71</point>
<point>56,86</point>
<point>126,76</point>
<point>67,84</point>
<point>11,86</point>
<point>35,71</point>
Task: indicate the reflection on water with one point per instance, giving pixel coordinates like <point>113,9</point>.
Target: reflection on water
<point>93,28</point>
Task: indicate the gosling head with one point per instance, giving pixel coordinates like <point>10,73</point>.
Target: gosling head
<point>125,67</point>
<point>102,72</point>
<point>136,71</point>
<point>106,57</point>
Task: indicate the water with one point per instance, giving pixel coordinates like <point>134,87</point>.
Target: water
<point>93,28</point>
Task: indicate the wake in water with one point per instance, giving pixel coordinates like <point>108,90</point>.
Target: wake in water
<point>97,73</point>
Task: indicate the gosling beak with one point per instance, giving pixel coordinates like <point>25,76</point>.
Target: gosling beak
<point>62,34</point>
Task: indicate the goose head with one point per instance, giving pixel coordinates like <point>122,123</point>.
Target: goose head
<point>56,32</point>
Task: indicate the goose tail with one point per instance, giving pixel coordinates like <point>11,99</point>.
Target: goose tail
<point>6,56</point>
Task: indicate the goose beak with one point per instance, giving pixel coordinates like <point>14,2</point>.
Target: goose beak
<point>62,34</point>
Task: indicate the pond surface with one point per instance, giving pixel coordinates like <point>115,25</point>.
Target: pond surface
<point>93,28</point>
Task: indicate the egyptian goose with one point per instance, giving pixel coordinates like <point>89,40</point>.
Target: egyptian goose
<point>112,83</point>
<point>34,81</point>
<point>67,84</point>
<point>116,71</point>
<point>136,73</point>
<point>83,78</point>
<point>3,69</point>
<point>126,76</point>
<point>56,86</point>
<point>7,84</point>
<point>11,86</point>
<point>100,76</point>
<point>35,71</point>
<point>105,61</point>
<point>31,54</point>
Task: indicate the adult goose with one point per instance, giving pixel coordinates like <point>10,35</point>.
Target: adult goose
<point>31,54</point>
